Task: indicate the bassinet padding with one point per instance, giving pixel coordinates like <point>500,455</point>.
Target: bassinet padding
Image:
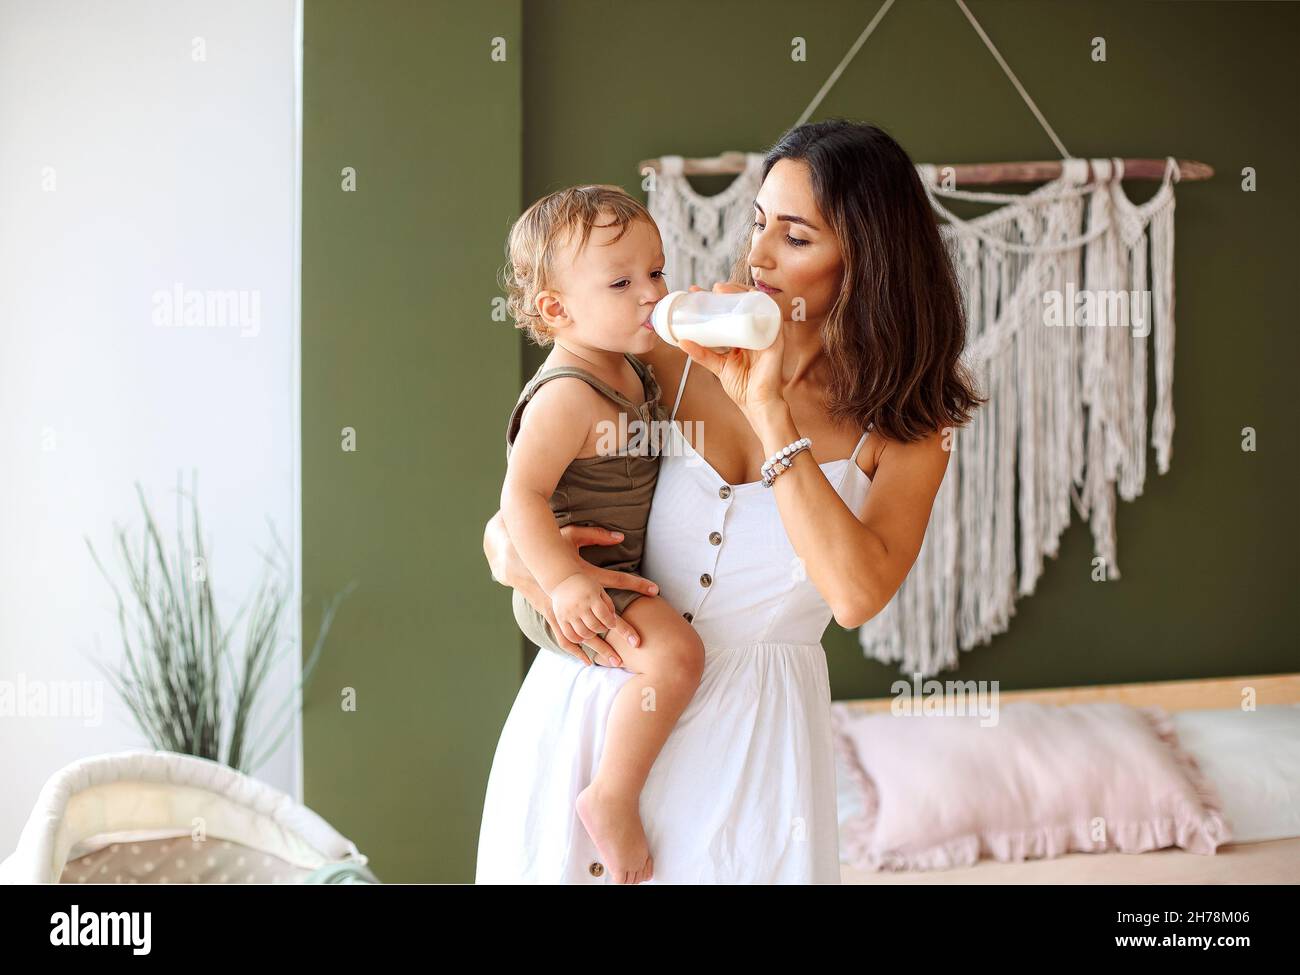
<point>161,791</point>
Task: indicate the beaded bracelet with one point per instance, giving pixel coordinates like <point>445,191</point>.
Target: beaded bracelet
<point>769,478</point>
<point>778,463</point>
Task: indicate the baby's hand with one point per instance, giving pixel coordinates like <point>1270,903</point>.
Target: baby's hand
<point>582,607</point>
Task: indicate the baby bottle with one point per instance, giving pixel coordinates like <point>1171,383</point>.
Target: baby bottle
<point>743,319</point>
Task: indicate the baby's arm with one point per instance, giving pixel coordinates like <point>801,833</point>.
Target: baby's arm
<point>553,429</point>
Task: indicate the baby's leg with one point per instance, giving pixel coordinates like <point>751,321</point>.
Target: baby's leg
<point>666,669</point>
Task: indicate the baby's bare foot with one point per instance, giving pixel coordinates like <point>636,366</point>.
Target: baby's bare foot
<point>614,825</point>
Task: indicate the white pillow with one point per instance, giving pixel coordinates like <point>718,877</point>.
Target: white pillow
<point>1253,759</point>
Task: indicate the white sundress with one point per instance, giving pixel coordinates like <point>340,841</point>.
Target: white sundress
<point>744,788</point>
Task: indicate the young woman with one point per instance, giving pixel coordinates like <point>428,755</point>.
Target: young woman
<point>867,367</point>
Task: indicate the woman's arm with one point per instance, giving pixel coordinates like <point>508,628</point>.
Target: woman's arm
<point>508,569</point>
<point>856,561</point>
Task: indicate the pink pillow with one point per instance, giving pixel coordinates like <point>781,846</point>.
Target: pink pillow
<point>940,791</point>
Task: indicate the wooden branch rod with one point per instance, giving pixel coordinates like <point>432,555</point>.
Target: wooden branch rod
<point>973,174</point>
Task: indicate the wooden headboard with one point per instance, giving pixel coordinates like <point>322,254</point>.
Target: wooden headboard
<point>1173,695</point>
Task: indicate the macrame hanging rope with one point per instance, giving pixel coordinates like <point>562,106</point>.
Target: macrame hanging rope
<point>1060,146</point>
<point>1066,418</point>
<point>844,63</point>
<point>997,55</point>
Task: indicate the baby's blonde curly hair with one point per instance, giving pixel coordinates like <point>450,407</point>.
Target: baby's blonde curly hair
<point>538,234</point>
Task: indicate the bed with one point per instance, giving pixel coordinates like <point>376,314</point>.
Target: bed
<point>1195,703</point>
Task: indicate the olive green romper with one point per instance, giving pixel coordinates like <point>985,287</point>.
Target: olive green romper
<point>613,491</point>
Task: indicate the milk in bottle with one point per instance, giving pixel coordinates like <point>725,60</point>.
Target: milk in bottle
<point>743,320</point>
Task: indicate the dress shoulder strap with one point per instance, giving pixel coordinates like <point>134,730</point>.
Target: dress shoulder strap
<point>681,386</point>
<point>854,456</point>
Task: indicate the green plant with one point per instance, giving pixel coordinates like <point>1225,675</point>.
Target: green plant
<point>173,679</point>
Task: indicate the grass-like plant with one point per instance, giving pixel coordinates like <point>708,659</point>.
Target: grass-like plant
<point>186,689</point>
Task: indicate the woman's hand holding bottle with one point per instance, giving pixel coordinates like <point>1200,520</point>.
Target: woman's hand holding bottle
<point>750,377</point>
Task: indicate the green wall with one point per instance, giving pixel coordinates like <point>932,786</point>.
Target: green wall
<point>398,343</point>
<point>398,340</point>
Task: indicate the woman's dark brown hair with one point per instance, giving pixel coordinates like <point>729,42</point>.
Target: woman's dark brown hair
<point>895,333</point>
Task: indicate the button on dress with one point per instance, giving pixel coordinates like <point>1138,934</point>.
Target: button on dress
<point>743,790</point>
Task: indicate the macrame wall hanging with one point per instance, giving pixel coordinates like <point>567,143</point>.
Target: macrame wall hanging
<point>1066,418</point>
